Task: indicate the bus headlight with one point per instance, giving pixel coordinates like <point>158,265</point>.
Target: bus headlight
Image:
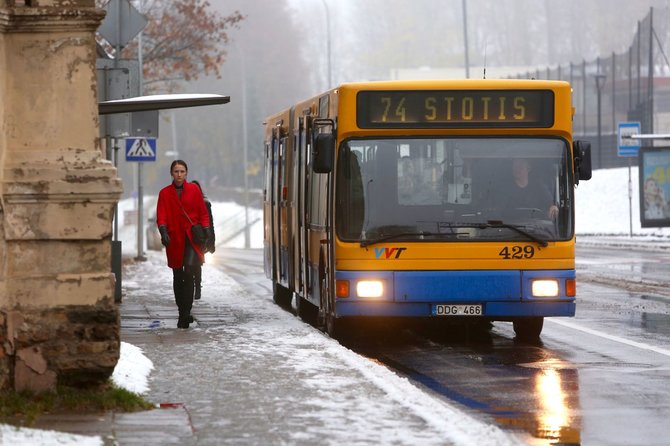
<point>545,288</point>
<point>370,288</point>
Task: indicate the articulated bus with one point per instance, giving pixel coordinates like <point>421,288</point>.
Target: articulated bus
<point>445,199</point>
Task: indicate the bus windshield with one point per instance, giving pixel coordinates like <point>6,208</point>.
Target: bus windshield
<point>454,189</point>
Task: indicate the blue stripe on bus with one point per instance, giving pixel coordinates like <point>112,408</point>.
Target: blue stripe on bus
<point>457,286</point>
<point>415,293</point>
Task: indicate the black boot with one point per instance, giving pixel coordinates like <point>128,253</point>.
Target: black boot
<point>184,321</point>
<point>197,280</point>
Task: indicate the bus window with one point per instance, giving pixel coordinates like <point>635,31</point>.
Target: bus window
<point>442,182</point>
<point>350,192</point>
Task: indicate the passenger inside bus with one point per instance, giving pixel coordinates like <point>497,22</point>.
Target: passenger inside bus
<point>408,180</point>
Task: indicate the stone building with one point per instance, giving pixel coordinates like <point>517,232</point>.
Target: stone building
<point>58,319</point>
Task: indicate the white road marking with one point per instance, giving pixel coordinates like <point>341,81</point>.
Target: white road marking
<point>640,345</point>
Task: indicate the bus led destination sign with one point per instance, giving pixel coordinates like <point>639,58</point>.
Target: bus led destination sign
<point>455,108</point>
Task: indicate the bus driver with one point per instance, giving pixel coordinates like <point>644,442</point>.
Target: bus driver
<point>525,194</point>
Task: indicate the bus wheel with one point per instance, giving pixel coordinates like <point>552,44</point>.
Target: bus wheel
<point>331,324</point>
<point>335,326</point>
<point>282,296</point>
<point>528,328</point>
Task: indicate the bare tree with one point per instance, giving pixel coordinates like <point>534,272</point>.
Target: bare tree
<point>183,40</point>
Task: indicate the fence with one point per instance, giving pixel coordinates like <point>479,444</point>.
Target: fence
<point>630,86</point>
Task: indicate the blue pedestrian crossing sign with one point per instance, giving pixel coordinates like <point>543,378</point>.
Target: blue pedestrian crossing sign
<point>140,149</point>
<point>627,145</point>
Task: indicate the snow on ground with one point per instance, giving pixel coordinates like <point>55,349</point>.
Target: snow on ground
<point>266,337</point>
<point>229,220</point>
<point>602,206</point>
<point>131,373</point>
<point>14,436</point>
<point>133,369</point>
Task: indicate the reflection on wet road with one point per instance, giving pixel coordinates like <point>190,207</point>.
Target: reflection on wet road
<point>598,378</point>
<point>524,387</point>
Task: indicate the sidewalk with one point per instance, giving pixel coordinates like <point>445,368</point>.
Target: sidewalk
<point>145,320</point>
<point>250,373</point>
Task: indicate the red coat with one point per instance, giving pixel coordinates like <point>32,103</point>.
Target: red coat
<point>170,214</point>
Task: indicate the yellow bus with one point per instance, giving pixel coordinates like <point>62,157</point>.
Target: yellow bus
<point>425,199</point>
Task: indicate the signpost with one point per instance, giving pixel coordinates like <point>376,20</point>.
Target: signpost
<point>629,147</point>
<point>120,25</point>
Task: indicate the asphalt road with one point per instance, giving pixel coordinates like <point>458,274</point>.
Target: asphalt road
<point>598,378</point>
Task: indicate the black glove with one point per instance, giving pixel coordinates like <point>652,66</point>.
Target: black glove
<point>211,240</point>
<point>205,240</point>
<point>165,238</point>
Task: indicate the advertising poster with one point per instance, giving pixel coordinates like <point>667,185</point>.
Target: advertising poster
<point>654,187</point>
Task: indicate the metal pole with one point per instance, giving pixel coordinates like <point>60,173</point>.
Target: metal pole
<point>600,143</point>
<point>630,201</point>
<point>140,214</point>
<point>140,164</point>
<point>116,244</point>
<point>330,74</point>
<point>173,127</point>
<point>247,238</point>
<point>116,206</point>
<point>465,40</point>
<point>600,81</point>
<point>650,73</point>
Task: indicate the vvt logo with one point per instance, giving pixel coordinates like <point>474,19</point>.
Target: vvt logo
<point>388,253</point>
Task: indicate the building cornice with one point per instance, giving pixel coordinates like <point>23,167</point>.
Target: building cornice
<point>49,19</point>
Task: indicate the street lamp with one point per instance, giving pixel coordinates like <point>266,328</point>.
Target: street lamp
<point>600,83</point>
<point>465,40</point>
<point>245,149</point>
<point>330,80</point>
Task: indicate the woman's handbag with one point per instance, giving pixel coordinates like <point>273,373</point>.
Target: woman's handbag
<point>199,234</point>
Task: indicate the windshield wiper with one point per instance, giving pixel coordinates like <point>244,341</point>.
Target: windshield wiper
<point>495,224</point>
<point>516,228</point>
<point>385,238</point>
<point>488,224</point>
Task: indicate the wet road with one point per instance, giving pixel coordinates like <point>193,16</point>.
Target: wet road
<point>599,378</point>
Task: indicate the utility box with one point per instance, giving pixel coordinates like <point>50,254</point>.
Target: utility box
<point>117,80</point>
<point>144,124</point>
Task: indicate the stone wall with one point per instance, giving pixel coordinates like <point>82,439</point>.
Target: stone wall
<point>58,319</point>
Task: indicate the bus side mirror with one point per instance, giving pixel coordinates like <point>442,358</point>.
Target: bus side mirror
<point>323,153</point>
<point>582,160</point>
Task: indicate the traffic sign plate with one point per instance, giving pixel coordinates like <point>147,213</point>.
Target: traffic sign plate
<point>627,145</point>
<point>140,149</point>
<point>123,13</point>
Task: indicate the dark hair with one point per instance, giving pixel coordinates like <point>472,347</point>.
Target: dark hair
<point>176,163</point>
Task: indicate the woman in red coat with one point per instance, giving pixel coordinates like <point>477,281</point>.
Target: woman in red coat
<point>180,206</point>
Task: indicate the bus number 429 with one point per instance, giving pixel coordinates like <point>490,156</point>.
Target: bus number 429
<point>517,252</point>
